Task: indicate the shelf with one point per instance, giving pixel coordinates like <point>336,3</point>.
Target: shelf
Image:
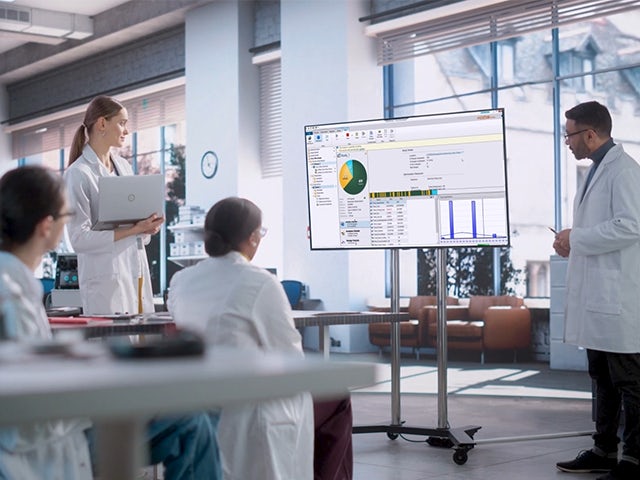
<point>187,260</point>
<point>186,226</point>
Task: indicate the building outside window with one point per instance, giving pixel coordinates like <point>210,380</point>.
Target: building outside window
<point>598,60</point>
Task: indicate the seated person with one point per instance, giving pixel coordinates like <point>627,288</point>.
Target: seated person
<point>33,212</point>
<point>236,304</point>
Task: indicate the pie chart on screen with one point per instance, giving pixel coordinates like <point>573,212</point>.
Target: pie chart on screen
<point>353,177</point>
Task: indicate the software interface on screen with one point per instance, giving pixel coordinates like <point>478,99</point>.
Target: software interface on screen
<point>425,181</point>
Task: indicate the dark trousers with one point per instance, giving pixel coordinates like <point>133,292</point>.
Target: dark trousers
<point>333,449</point>
<point>617,380</point>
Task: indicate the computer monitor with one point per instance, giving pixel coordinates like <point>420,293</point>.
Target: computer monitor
<point>423,181</point>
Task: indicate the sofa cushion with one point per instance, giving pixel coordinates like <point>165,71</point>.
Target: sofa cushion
<point>479,303</point>
<point>460,329</point>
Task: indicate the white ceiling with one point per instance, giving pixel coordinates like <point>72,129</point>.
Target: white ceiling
<point>9,40</point>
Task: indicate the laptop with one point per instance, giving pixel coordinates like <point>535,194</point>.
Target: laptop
<point>125,200</point>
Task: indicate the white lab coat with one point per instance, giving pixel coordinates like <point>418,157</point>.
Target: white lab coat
<point>237,304</point>
<point>603,274</point>
<point>52,450</point>
<point>108,271</point>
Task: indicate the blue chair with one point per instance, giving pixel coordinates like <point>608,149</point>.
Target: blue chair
<point>294,290</point>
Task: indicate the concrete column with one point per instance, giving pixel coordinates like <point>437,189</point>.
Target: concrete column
<point>329,74</point>
<point>222,112</point>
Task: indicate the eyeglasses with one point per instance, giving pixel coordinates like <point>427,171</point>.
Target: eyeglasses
<point>70,213</point>
<point>262,232</point>
<point>567,135</point>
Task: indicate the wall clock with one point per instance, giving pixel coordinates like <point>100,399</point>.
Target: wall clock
<point>209,164</point>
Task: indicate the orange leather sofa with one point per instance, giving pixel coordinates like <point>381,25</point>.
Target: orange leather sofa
<point>413,333</point>
<point>488,323</point>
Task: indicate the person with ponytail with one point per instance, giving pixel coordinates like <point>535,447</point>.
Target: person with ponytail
<point>110,263</point>
<point>236,304</point>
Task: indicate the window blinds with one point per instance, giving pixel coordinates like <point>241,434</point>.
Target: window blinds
<point>147,111</point>
<point>452,27</point>
<point>271,119</point>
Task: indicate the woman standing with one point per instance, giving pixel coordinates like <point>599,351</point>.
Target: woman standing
<point>113,271</point>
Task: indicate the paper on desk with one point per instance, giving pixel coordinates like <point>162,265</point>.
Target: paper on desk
<point>79,320</point>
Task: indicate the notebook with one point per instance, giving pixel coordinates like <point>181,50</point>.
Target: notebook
<point>125,200</point>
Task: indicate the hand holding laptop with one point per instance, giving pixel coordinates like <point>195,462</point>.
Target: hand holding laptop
<point>147,226</point>
<point>150,225</point>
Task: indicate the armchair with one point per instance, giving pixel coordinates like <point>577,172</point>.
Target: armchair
<point>413,332</point>
<point>500,322</point>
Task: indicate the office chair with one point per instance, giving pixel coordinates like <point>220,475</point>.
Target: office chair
<point>294,290</point>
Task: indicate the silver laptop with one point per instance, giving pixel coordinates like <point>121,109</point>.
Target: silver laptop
<point>125,200</point>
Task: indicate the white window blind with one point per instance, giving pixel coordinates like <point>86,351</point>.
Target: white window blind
<point>271,119</point>
<point>461,25</point>
<point>147,111</point>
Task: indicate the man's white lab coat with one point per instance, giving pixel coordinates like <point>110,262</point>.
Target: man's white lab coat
<point>108,271</point>
<point>603,274</point>
<point>240,305</point>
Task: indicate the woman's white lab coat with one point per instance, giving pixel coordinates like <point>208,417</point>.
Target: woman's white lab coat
<point>108,271</point>
<point>603,273</point>
<point>52,450</point>
<point>237,304</point>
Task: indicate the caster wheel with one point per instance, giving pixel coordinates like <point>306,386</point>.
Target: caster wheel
<point>460,457</point>
<point>392,436</point>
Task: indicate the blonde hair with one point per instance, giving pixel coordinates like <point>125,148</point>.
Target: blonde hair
<point>101,106</point>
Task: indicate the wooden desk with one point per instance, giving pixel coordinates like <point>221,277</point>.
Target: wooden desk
<point>120,396</point>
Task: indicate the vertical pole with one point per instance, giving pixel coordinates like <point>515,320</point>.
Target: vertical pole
<point>497,287</point>
<point>557,152</point>
<point>120,448</point>
<point>163,231</point>
<point>395,338</point>
<point>441,292</point>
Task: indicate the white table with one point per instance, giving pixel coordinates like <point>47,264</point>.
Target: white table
<point>120,396</point>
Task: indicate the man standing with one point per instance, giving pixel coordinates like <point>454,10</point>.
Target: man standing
<point>602,310</point>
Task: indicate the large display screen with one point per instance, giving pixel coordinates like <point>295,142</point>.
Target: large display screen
<point>422,181</point>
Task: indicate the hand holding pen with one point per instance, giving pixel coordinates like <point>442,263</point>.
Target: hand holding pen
<point>561,243</point>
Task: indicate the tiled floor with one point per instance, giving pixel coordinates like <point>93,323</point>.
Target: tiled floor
<point>513,403</point>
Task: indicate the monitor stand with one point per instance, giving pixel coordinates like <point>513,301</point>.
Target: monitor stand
<point>461,439</point>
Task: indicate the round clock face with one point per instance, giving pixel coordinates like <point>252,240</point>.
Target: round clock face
<point>209,164</point>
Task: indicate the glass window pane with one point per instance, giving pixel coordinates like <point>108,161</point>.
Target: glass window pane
<point>524,60</point>
<point>598,60</point>
<point>51,159</point>
<point>624,108</point>
<point>447,81</point>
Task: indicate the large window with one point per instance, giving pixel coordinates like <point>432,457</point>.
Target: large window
<point>597,59</point>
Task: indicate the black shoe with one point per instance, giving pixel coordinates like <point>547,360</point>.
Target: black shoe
<point>623,471</point>
<point>588,462</point>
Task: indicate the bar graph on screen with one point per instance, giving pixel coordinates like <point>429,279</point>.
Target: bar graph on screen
<point>479,219</point>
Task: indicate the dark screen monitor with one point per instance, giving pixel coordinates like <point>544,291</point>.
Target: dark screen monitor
<point>415,182</point>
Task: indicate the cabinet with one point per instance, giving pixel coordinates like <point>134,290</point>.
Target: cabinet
<point>188,245</point>
<point>563,355</point>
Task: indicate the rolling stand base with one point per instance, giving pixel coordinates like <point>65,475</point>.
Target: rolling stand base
<point>460,439</point>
